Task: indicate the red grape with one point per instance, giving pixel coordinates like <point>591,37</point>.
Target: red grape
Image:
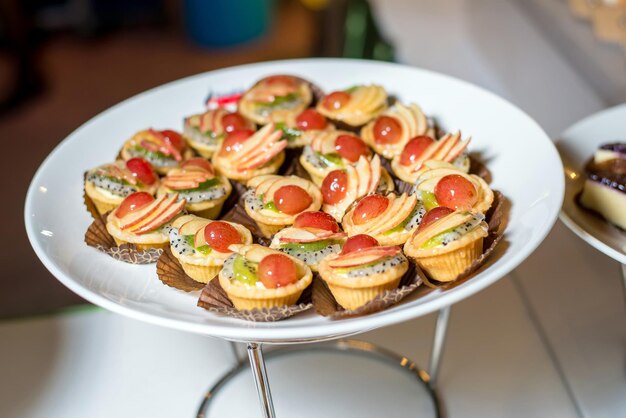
<point>310,119</point>
<point>456,192</point>
<point>369,207</point>
<point>358,242</point>
<point>133,202</point>
<point>292,199</point>
<point>434,215</point>
<point>351,147</point>
<point>173,138</point>
<point>277,270</point>
<point>219,235</point>
<point>234,141</point>
<point>233,121</point>
<point>320,220</point>
<point>334,187</point>
<point>387,130</point>
<point>336,100</point>
<point>142,169</point>
<point>414,148</point>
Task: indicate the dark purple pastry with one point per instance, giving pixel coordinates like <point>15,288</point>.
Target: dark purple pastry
<point>605,186</point>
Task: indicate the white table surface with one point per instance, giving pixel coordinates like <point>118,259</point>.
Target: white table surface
<point>546,341</point>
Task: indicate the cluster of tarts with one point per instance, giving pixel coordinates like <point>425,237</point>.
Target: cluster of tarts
<point>348,186</point>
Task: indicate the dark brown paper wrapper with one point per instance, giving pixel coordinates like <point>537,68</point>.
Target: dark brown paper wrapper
<point>98,237</point>
<point>171,273</point>
<point>496,222</point>
<point>214,299</point>
<point>326,305</point>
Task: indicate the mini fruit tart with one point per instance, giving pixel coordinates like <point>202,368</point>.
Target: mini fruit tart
<point>391,219</point>
<point>313,236</point>
<point>341,188</point>
<point>445,185</point>
<point>409,165</point>
<point>362,271</point>
<point>201,245</point>
<point>245,154</point>
<point>108,184</point>
<point>259,277</point>
<point>163,149</point>
<point>144,221</point>
<point>355,106</point>
<point>447,242</point>
<point>196,182</point>
<point>389,132</point>
<point>274,201</point>
<point>275,99</point>
<point>205,132</point>
<point>300,129</point>
<point>330,151</point>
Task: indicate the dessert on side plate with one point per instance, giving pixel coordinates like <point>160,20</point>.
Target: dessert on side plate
<point>144,221</point>
<point>107,185</point>
<point>201,245</point>
<point>362,271</point>
<point>604,190</point>
<point>196,181</point>
<point>255,276</point>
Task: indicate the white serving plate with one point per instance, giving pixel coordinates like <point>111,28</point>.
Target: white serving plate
<point>576,146</point>
<point>512,144</point>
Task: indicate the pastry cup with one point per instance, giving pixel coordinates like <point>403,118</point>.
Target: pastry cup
<point>245,297</point>
<point>103,203</point>
<point>142,242</point>
<point>243,176</point>
<point>354,292</point>
<point>446,263</point>
<point>367,102</point>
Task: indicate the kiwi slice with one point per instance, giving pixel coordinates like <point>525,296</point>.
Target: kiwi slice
<point>245,270</point>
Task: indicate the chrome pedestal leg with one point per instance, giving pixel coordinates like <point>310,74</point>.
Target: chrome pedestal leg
<point>439,339</point>
<point>255,354</point>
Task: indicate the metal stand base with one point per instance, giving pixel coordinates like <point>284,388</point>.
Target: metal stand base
<point>367,360</point>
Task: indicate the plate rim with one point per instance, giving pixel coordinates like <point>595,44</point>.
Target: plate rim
<point>284,335</point>
<point>585,235</point>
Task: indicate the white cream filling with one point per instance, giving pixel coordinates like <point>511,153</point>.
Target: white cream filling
<point>605,200</point>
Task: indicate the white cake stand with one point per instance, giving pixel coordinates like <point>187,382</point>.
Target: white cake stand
<point>577,145</point>
<point>524,164</point>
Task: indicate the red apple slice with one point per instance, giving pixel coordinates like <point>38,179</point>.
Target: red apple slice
<point>458,149</point>
<point>363,257</point>
<point>162,219</point>
<point>192,226</point>
<point>440,225</point>
<point>152,211</point>
<point>198,239</point>
<point>446,146</point>
<point>266,156</point>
